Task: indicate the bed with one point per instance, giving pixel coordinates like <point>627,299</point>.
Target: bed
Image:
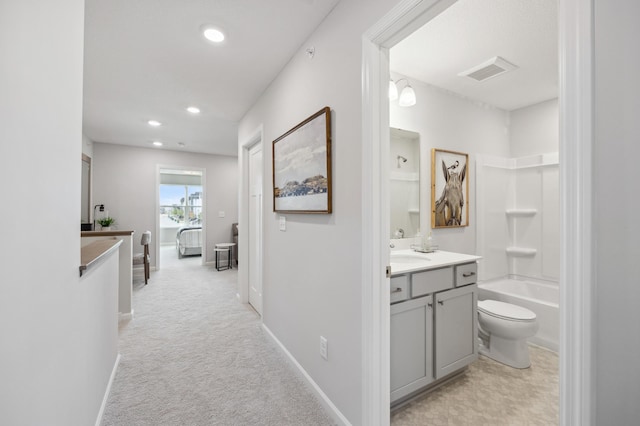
<point>189,241</point>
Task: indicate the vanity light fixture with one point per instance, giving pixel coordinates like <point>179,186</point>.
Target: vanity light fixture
<point>157,143</point>
<point>407,95</point>
<point>193,110</point>
<point>154,123</point>
<point>213,34</point>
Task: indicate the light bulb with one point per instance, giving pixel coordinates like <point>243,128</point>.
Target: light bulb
<point>407,97</point>
<point>213,35</point>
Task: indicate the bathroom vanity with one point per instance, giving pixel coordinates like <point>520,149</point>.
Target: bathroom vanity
<point>433,319</point>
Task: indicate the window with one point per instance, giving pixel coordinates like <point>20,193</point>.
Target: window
<point>180,205</point>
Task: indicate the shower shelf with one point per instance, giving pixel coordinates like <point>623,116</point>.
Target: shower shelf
<point>521,251</point>
<point>521,212</point>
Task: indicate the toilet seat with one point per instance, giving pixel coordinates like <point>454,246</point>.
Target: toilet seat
<point>506,311</point>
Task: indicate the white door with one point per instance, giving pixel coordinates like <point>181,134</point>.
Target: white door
<point>255,227</point>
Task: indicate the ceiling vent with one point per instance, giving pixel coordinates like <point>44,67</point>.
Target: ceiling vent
<point>489,69</point>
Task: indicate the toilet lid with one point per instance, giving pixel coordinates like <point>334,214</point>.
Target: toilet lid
<point>505,310</point>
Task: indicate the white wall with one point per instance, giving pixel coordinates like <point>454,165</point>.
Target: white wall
<point>447,121</point>
<point>56,358</point>
<point>312,272</point>
<point>617,228</point>
<point>125,181</point>
<point>87,146</point>
<point>534,129</point>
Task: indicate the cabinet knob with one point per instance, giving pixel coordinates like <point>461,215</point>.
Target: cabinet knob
<point>468,274</point>
<point>430,305</point>
<point>396,290</point>
<point>440,302</point>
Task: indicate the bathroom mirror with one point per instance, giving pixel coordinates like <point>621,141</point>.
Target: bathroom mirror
<point>404,187</point>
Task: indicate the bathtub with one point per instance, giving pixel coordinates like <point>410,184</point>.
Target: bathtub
<point>541,297</point>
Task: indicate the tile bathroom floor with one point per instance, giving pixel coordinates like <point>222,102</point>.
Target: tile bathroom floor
<point>490,393</point>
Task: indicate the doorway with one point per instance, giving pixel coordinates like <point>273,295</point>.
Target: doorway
<point>250,212</point>
<point>180,216</point>
<point>576,134</point>
<point>255,227</point>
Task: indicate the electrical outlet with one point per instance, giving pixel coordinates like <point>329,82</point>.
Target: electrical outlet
<point>221,214</point>
<point>283,223</point>
<point>324,348</point>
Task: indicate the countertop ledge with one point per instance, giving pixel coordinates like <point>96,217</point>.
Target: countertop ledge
<point>105,233</point>
<point>93,253</point>
<point>437,259</point>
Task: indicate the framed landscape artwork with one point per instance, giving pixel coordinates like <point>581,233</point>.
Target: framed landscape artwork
<point>302,167</point>
<point>449,189</point>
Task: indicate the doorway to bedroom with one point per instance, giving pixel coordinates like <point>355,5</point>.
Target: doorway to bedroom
<point>180,216</point>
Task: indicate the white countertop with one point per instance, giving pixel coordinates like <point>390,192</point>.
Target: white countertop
<point>411,261</point>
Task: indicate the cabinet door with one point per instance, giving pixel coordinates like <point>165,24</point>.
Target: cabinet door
<point>456,329</point>
<point>411,346</point>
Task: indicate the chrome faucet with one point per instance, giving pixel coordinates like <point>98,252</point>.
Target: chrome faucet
<point>391,245</point>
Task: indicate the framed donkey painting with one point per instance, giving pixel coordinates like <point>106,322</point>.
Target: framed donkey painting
<point>449,189</point>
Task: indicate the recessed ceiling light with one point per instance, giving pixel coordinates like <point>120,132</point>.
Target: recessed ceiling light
<point>157,143</point>
<point>193,110</point>
<point>181,144</point>
<point>154,123</point>
<point>213,34</point>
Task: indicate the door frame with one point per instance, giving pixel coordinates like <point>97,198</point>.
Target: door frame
<point>203,182</point>
<point>577,278</point>
<point>256,137</point>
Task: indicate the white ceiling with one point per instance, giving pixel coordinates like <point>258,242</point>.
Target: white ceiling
<point>146,59</point>
<point>524,32</point>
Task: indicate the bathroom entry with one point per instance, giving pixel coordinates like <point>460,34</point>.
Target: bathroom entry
<point>484,81</point>
<point>181,201</point>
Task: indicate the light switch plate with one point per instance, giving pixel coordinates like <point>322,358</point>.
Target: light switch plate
<point>221,214</point>
<point>283,223</point>
<point>324,348</point>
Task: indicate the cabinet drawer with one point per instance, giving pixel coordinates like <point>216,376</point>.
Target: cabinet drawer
<point>399,288</point>
<point>431,281</point>
<point>466,274</point>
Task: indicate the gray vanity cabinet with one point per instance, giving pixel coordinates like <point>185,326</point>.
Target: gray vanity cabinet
<point>411,346</point>
<point>433,326</point>
<point>456,329</point>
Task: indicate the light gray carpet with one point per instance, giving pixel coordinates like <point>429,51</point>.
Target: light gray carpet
<point>193,355</point>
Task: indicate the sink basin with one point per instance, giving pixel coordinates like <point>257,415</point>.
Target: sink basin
<point>407,258</point>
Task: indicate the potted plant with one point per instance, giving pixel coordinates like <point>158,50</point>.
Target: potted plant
<point>106,223</point>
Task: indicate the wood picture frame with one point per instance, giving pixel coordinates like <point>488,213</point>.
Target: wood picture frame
<point>449,189</point>
<point>301,160</point>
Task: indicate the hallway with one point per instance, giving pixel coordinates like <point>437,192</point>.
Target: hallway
<point>193,355</point>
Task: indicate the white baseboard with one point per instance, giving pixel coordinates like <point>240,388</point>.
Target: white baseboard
<point>329,406</point>
<point>107,391</point>
<point>125,317</point>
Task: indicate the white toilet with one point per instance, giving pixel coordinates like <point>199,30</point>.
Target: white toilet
<point>504,329</point>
